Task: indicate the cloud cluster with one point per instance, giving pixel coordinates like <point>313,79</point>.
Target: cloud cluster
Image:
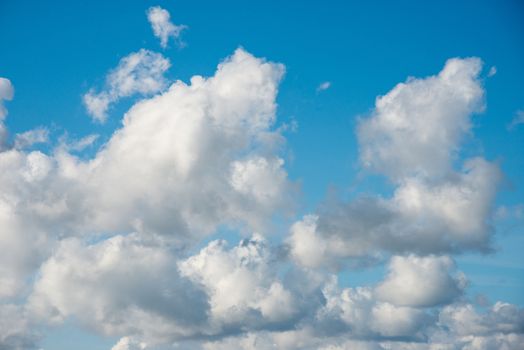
<point>420,281</point>
<point>113,240</point>
<point>162,26</point>
<point>121,285</point>
<point>412,137</point>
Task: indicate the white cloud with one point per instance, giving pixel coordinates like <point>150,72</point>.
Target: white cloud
<point>139,73</point>
<point>31,137</point>
<point>492,71</point>
<point>243,288</point>
<point>105,239</point>
<point>420,281</point>
<point>306,246</point>
<point>464,320</point>
<point>162,26</point>
<point>324,86</point>
<point>122,285</point>
<point>412,137</point>
<point>187,140</point>
<point>417,127</point>
<point>174,161</point>
<point>421,217</point>
<point>366,317</point>
<point>23,181</point>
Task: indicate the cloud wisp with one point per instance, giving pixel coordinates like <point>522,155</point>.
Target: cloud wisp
<point>139,73</point>
<point>163,28</point>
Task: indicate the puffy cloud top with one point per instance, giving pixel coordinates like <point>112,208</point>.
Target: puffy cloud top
<point>417,127</point>
<point>162,26</point>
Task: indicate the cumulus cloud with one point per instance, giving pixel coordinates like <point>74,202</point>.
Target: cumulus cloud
<point>353,319</point>
<point>201,155</point>
<point>139,73</point>
<point>162,26</point>
<point>417,127</point>
<point>244,290</point>
<point>23,236</point>
<point>464,320</point>
<point>412,136</point>
<point>420,281</point>
<point>119,286</point>
<point>357,310</point>
<point>424,218</point>
<point>109,239</point>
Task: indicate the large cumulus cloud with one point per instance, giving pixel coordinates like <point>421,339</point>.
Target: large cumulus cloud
<point>412,137</point>
<point>113,240</point>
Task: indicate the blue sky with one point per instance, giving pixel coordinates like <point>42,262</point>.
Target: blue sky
<point>55,52</point>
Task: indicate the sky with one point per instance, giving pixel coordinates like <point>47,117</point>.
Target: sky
<point>261,175</point>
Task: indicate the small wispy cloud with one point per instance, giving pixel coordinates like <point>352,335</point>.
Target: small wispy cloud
<point>162,26</point>
<point>140,73</point>
<point>517,120</point>
<point>324,86</point>
<point>492,71</point>
<point>31,137</point>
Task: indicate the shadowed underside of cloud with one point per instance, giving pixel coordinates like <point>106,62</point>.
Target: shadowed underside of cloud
<point>107,240</point>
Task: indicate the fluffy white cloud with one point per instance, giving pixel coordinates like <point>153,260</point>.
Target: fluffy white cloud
<point>104,239</point>
<point>412,137</point>
<point>140,73</point>
<point>122,285</point>
<point>464,320</point>
<point>243,287</point>
<point>306,246</point>
<point>162,26</point>
<point>352,319</point>
<point>417,127</point>
<point>420,281</point>
<point>364,316</point>
<point>426,218</point>
<point>25,208</point>
<point>188,151</point>
<point>187,161</point>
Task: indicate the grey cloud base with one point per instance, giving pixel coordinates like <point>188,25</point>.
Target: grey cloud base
<point>109,241</point>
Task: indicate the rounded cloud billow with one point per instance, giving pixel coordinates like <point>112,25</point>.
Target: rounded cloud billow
<point>132,240</point>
